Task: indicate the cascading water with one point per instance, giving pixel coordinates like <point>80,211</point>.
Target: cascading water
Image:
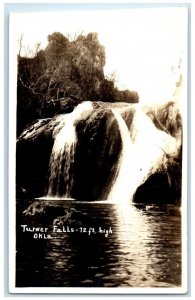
<point>142,154</point>
<point>145,150</point>
<point>61,165</point>
<point>120,189</point>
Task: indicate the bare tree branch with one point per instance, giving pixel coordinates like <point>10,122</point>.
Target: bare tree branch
<point>20,44</point>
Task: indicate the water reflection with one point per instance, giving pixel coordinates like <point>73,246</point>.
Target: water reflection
<point>142,248</point>
<point>150,239</point>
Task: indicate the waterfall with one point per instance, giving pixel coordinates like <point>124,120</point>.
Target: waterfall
<point>120,191</point>
<point>144,150</point>
<point>142,154</point>
<point>61,166</point>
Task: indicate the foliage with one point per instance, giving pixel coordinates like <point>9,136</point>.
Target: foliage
<point>64,69</point>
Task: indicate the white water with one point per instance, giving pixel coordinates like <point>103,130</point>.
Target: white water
<point>61,165</point>
<point>142,154</point>
<point>120,190</point>
<point>144,150</point>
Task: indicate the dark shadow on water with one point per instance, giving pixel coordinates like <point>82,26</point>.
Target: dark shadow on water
<point>141,247</point>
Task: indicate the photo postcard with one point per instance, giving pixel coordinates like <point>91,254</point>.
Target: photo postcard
<point>97,151</point>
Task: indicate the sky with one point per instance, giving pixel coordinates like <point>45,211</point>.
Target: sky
<point>143,46</point>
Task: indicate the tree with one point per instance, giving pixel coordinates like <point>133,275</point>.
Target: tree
<point>65,68</point>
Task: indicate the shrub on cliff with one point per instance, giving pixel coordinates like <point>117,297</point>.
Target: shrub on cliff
<point>65,68</point>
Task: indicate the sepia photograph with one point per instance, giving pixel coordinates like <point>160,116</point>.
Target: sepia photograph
<point>98,137</point>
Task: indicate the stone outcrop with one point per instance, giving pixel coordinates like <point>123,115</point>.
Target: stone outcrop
<point>154,156</point>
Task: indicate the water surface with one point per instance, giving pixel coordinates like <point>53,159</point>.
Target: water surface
<point>99,245</point>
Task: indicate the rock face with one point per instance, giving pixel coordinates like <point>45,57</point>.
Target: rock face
<point>32,159</point>
<point>117,152</point>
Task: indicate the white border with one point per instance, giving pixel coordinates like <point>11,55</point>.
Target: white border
<point>12,161</point>
<point>2,148</point>
<point>12,139</point>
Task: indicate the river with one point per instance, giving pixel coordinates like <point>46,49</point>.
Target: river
<point>98,244</point>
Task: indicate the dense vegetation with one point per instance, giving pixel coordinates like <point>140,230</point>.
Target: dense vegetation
<point>66,72</point>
